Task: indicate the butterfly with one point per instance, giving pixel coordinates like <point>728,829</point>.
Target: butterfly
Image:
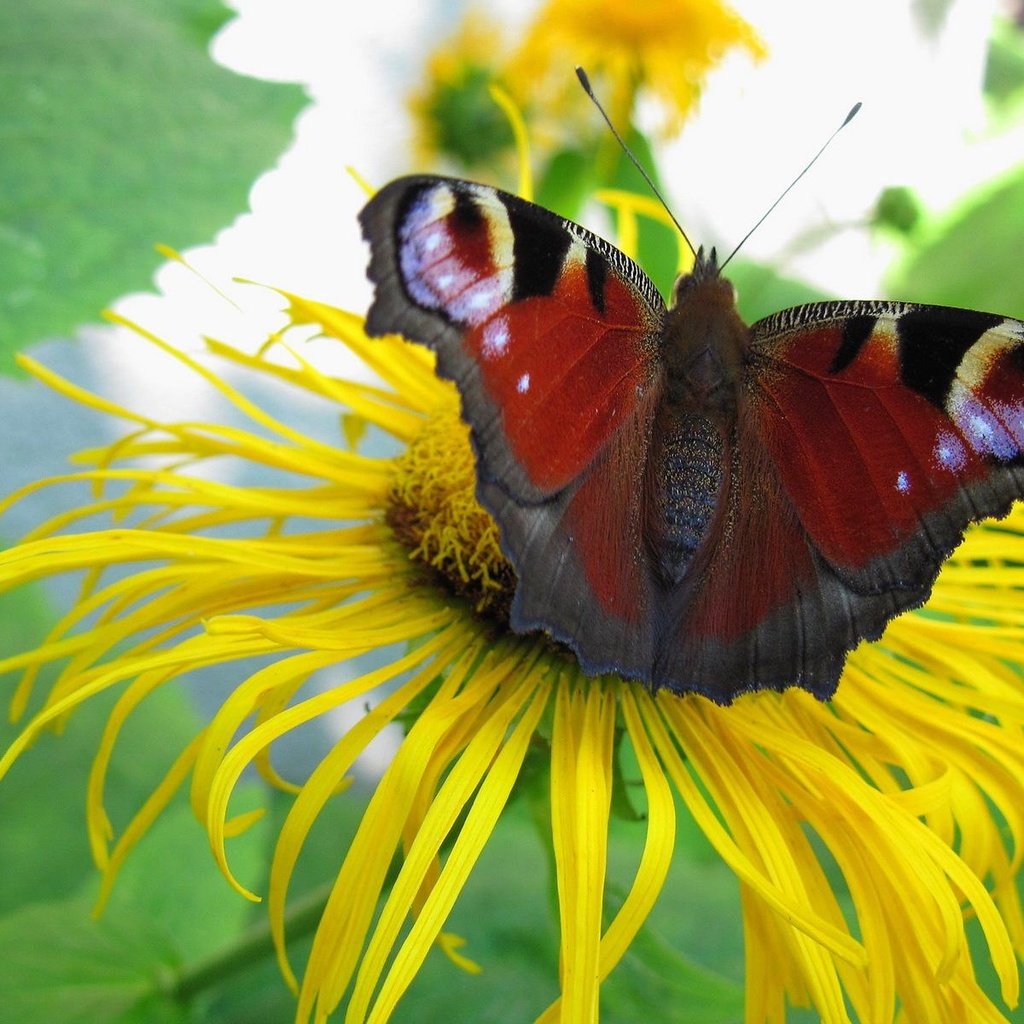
<point>686,500</point>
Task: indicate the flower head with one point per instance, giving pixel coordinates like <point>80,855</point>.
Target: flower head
<point>454,113</point>
<point>665,46</point>
<point>907,788</point>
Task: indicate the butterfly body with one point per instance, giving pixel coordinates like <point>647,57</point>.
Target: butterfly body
<point>688,500</point>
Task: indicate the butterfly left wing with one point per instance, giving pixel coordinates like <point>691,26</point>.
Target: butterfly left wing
<point>550,335</point>
<point>892,427</point>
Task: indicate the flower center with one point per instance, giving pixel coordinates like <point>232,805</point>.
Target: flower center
<point>433,511</point>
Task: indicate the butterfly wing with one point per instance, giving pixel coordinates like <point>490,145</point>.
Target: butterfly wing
<point>550,335</point>
<point>885,429</point>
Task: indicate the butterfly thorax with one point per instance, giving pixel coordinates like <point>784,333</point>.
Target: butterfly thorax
<point>704,347</point>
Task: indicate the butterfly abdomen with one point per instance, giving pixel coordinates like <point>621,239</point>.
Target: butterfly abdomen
<point>687,490</point>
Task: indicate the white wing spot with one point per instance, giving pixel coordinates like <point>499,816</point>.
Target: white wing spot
<point>902,482</point>
<point>523,384</point>
<point>432,239</point>
<point>495,338</point>
<point>481,300</point>
<point>980,426</point>
<point>949,452</point>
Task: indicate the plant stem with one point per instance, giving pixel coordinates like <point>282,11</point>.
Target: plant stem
<point>254,945</point>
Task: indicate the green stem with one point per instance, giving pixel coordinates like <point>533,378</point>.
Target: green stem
<point>253,945</point>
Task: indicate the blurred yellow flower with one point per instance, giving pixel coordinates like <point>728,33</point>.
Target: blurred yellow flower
<point>454,114</point>
<point>906,791</point>
<point>667,47</point>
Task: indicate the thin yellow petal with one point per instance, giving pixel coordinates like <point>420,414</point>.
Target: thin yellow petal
<point>346,919</point>
<point>581,760</point>
<point>320,785</point>
<point>487,767</point>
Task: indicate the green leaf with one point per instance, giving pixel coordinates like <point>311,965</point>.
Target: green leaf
<point>118,132</point>
<point>656,982</point>
<point>60,965</point>
<point>504,916</point>
<point>172,877</point>
<point>761,291</point>
<point>566,183</point>
<point>897,210</point>
<point>1004,68</point>
<point>469,127</point>
<point>973,260</point>
<point>42,800</point>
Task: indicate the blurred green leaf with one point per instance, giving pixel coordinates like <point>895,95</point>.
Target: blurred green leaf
<point>654,982</point>
<point>60,965</point>
<point>897,209</point>
<point>170,881</point>
<point>467,125</point>
<point>626,781</point>
<point>504,916</point>
<point>25,617</point>
<point>171,872</point>
<point>762,291</point>
<point>931,15</point>
<point>973,261</point>
<point>40,798</point>
<point>1004,67</point>
<point>118,132</point>
<point>171,877</point>
<point>566,183</point>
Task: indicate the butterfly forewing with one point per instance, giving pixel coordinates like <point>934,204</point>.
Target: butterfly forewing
<point>893,426</point>
<point>550,335</point>
<point>551,346</point>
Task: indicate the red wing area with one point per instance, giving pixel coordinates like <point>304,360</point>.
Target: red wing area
<point>892,427</point>
<point>566,376</point>
<point>870,436</point>
<point>549,333</point>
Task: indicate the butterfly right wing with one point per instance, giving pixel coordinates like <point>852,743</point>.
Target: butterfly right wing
<point>550,335</point>
<point>873,433</point>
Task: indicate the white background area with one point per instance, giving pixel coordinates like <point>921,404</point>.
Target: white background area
<point>922,125</point>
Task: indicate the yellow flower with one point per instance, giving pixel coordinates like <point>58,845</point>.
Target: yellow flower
<point>665,46</point>
<point>909,785</point>
<point>453,112</point>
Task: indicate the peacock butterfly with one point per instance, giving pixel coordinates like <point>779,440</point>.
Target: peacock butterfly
<point>686,500</point>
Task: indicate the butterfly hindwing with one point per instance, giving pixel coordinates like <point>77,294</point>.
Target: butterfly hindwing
<point>550,335</point>
<point>761,610</point>
<point>581,560</point>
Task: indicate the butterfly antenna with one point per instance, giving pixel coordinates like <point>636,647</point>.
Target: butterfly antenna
<point>585,82</point>
<point>814,159</point>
